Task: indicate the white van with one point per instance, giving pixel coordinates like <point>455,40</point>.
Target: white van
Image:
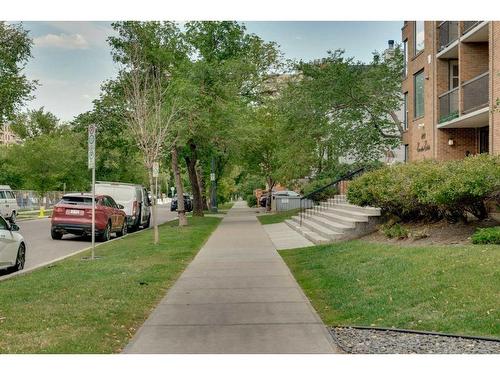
<point>134,199</point>
<point>8,203</point>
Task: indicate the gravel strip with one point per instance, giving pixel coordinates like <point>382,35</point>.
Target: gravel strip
<point>368,341</point>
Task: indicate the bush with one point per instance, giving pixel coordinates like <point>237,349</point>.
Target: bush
<point>487,236</point>
<point>431,189</point>
<point>251,200</point>
<point>394,231</point>
<point>316,184</point>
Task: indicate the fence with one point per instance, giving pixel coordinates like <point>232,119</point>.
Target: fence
<point>30,200</point>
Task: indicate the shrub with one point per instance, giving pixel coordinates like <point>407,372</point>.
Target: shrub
<point>316,184</point>
<point>431,189</point>
<point>394,231</point>
<point>487,236</point>
<point>251,200</point>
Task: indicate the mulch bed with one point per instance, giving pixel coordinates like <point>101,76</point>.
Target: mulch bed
<point>438,233</point>
<point>368,341</point>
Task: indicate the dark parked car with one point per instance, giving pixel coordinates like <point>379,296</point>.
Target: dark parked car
<point>188,203</point>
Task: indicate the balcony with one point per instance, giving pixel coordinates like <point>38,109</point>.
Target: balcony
<point>475,109</point>
<point>476,93</point>
<point>468,25</point>
<point>448,33</point>
<point>475,31</point>
<point>448,105</point>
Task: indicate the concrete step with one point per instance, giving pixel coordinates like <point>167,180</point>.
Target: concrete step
<point>321,229</point>
<point>343,213</point>
<point>310,235</point>
<point>339,217</point>
<point>368,211</point>
<point>338,226</point>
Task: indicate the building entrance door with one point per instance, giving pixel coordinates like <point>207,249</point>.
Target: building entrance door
<point>484,135</point>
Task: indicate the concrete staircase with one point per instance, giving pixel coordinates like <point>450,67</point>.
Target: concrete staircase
<point>335,220</point>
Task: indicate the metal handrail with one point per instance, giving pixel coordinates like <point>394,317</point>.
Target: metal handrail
<point>476,78</point>
<point>448,92</point>
<point>470,27</point>
<point>308,197</point>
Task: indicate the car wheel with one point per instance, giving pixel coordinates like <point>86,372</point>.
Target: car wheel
<point>55,234</point>
<point>106,235</point>
<point>21,257</point>
<point>123,232</point>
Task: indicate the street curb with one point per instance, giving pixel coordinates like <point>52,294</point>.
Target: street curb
<point>26,271</point>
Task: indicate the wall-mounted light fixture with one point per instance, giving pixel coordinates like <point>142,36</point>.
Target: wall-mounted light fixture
<point>450,142</point>
<point>421,125</point>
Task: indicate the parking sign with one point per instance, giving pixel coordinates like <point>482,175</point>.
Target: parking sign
<point>156,169</point>
<point>92,131</point>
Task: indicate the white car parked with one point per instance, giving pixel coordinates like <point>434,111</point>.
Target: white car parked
<point>8,203</point>
<point>12,247</point>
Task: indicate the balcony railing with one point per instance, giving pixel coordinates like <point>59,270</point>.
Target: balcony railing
<point>448,33</point>
<point>448,105</point>
<point>469,25</point>
<point>475,93</point>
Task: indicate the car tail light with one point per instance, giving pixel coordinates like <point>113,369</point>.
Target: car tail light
<point>88,212</point>
<point>59,210</point>
<point>134,208</point>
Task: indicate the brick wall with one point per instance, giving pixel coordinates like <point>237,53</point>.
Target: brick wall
<point>494,87</point>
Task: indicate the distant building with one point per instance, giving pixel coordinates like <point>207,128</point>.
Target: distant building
<point>8,137</point>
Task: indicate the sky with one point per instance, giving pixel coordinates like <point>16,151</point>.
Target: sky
<point>72,59</point>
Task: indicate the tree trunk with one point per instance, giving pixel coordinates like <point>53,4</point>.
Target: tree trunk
<point>270,183</point>
<point>156,237</point>
<point>191,162</point>
<point>201,183</point>
<point>178,185</point>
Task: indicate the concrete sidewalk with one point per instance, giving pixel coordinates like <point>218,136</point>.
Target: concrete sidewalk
<point>237,296</point>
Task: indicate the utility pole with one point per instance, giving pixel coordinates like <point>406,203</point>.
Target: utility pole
<point>213,190</point>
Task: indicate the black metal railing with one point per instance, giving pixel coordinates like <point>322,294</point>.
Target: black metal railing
<point>320,199</point>
<point>448,33</point>
<point>448,105</point>
<point>475,93</point>
<point>468,25</point>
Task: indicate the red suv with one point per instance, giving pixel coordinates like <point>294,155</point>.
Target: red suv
<point>73,214</point>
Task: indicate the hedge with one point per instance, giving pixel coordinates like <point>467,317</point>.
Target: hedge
<point>430,189</point>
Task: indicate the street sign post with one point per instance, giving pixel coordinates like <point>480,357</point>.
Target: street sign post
<point>156,173</point>
<point>91,157</point>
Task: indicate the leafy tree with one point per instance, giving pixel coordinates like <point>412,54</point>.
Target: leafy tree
<point>340,108</point>
<point>117,155</point>
<point>15,50</point>
<point>48,161</point>
<point>229,67</point>
<point>34,123</point>
<point>151,53</point>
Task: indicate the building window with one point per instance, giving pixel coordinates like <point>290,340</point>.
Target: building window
<point>405,111</point>
<point>419,37</point>
<point>453,74</point>
<point>418,94</point>
<point>405,52</point>
<point>407,154</point>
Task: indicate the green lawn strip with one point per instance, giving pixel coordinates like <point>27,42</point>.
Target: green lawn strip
<point>451,289</point>
<point>277,217</point>
<point>79,306</point>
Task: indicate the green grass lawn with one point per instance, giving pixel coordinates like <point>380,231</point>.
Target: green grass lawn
<point>453,289</point>
<point>277,217</point>
<point>81,306</point>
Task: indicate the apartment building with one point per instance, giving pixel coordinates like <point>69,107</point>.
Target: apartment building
<point>450,87</point>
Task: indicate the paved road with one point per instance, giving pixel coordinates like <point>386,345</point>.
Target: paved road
<point>41,248</point>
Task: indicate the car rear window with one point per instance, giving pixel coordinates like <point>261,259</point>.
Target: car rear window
<point>86,201</point>
<point>118,193</point>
